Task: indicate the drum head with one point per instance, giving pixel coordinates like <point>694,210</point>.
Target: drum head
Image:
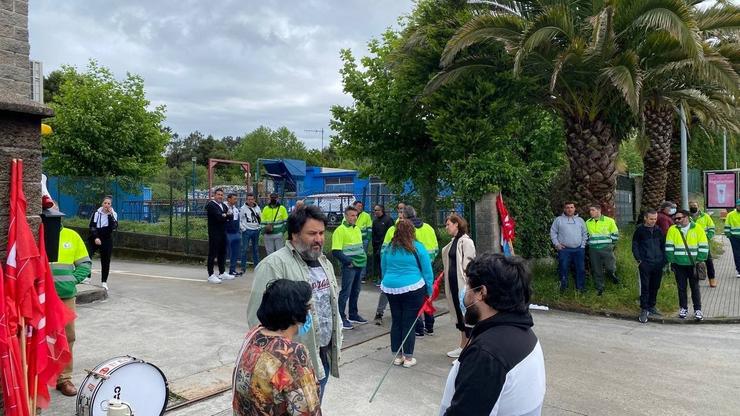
<point>139,384</point>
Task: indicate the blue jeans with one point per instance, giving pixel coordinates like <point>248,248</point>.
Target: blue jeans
<point>577,256</point>
<point>350,290</point>
<point>327,369</point>
<point>232,243</point>
<point>404,311</point>
<point>250,236</point>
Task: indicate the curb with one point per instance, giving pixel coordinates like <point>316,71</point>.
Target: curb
<point>633,317</point>
<point>90,294</point>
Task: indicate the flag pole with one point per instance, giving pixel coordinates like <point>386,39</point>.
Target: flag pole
<point>24,359</point>
<point>394,357</point>
<point>35,394</point>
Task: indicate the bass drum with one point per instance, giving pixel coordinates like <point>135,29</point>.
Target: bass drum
<point>140,384</point>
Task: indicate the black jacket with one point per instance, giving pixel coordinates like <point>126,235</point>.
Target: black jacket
<point>502,366</point>
<point>216,219</point>
<point>648,245</point>
<point>380,227</point>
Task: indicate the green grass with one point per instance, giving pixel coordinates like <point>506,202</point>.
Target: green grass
<point>623,298</point>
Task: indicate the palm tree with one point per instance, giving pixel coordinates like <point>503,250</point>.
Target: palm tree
<point>678,76</point>
<point>578,53</point>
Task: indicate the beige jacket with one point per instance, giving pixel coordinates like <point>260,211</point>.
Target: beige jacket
<point>286,263</point>
<point>465,253</point>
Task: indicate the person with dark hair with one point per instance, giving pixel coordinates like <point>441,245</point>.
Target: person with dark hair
<point>569,235</point>
<point>274,216</point>
<point>217,217</point>
<point>455,258</point>
<point>249,225</point>
<point>102,224</point>
<point>685,245</point>
<point>705,220</point>
<point>233,234</point>
<point>501,370</point>
<point>273,374</point>
<point>347,247</point>
<point>381,223</point>
<point>407,278</point>
<point>302,259</point>
<point>648,249</point>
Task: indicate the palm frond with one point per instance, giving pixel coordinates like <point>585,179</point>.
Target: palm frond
<point>672,16</point>
<point>625,75</point>
<point>506,28</point>
<point>718,18</point>
<point>456,70</point>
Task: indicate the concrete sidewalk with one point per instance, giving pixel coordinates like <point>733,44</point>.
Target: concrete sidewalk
<point>722,301</point>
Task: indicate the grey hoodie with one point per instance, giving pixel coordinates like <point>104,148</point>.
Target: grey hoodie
<point>569,231</point>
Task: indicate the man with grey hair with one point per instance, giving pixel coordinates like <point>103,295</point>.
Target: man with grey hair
<point>428,238</point>
<point>569,236</point>
<point>665,216</point>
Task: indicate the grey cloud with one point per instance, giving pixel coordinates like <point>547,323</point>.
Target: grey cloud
<point>221,67</point>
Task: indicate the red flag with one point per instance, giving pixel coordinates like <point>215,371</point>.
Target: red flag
<point>20,273</point>
<point>15,400</point>
<point>428,306</point>
<point>48,350</point>
<point>508,224</point>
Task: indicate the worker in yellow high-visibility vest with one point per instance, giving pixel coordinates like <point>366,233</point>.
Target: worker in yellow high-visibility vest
<point>365,224</point>
<point>346,246</point>
<point>732,231</point>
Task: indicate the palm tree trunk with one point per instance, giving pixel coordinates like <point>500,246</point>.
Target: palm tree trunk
<point>659,128</point>
<point>592,152</point>
<point>673,180</point>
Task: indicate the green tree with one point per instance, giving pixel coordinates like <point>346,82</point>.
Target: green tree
<point>575,51</point>
<point>103,127</point>
<point>265,143</point>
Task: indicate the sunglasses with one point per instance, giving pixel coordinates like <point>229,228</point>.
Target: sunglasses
<point>678,218</point>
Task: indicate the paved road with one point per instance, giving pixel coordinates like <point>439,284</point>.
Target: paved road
<point>166,314</point>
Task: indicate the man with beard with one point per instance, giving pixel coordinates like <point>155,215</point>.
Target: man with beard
<point>303,259</point>
<point>501,370</point>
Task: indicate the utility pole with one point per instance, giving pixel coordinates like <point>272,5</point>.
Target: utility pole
<point>322,136</point>
<point>684,161</point>
<point>724,150</point>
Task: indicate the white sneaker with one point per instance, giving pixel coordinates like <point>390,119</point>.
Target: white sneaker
<point>398,360</point>
<point>214,279</point>
<point>454,353</point>
<point>86,281</point>
<point>409,363</point>
<point>105,286</point>
<point>226,276</point>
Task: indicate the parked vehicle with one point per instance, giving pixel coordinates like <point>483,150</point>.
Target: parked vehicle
<point>331,204</point>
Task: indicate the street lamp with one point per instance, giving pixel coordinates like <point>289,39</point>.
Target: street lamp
<point>193,159</point>
<point>322,136</point>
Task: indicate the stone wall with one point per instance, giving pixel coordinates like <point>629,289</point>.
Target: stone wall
<point>15,68</point>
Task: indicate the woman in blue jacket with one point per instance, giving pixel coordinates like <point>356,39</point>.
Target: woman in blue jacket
<point>407,279</point>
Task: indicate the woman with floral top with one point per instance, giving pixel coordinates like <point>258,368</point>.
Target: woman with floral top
<point>273,374</point>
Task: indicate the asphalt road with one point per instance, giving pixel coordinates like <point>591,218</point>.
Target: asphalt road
<point>169,316</point>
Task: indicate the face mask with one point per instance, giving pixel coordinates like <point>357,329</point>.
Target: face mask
<point>303,329</point>
<point>463,308</point>
<point>693,210</point>
<point>671,211</point>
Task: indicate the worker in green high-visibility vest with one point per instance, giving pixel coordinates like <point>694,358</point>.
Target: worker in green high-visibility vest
<point>346,246</point>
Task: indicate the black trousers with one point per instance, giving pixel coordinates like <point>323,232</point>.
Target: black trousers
<point>376,259</point>
<point>106,249</point>
<point>404,308</point>
<point>217,251</point>
<point>710,266</point>
<point>686,274</point>
<point>650,277</point>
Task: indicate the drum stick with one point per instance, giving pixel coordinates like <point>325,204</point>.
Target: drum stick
<point>35,394</point>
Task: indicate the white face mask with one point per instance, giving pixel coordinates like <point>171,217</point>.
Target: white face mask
<point>672,211</point>
<point>463,307</point>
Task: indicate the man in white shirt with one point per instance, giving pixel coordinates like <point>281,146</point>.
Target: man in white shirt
<point>249,224</point>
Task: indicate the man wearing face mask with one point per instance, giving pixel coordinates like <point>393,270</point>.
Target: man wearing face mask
<point>665,216</point>
<point>302,259</point>
<point>501,370</point>
<point>685,245</point>
<point>274,216</point>
<point>705,220</point>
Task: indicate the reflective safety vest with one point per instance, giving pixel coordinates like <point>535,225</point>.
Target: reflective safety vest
<point>696,239</point>
<point>602,232</point>
<point>365,223</point>
<point>277,216</point>
<point>424,234</point>
<point>705,220</point>
<point>348,239</point>
<point>73,264</point>
<point>732,224</point>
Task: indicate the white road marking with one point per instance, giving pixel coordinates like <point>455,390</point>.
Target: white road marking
<point>152,275</point>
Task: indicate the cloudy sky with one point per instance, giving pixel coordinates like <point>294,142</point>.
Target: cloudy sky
<point>223,67</point>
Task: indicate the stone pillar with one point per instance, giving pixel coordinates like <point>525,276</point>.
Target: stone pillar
<point>20,118</point>
<point>487,227</point>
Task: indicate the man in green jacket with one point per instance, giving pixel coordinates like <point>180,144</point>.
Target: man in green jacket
<point>705,220</point>
<point>347,248</point>
<point>365,224</point>
<point>303,259</point>
<point>685,245</point>
<point>602,239</point>
<point>73,265</point>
